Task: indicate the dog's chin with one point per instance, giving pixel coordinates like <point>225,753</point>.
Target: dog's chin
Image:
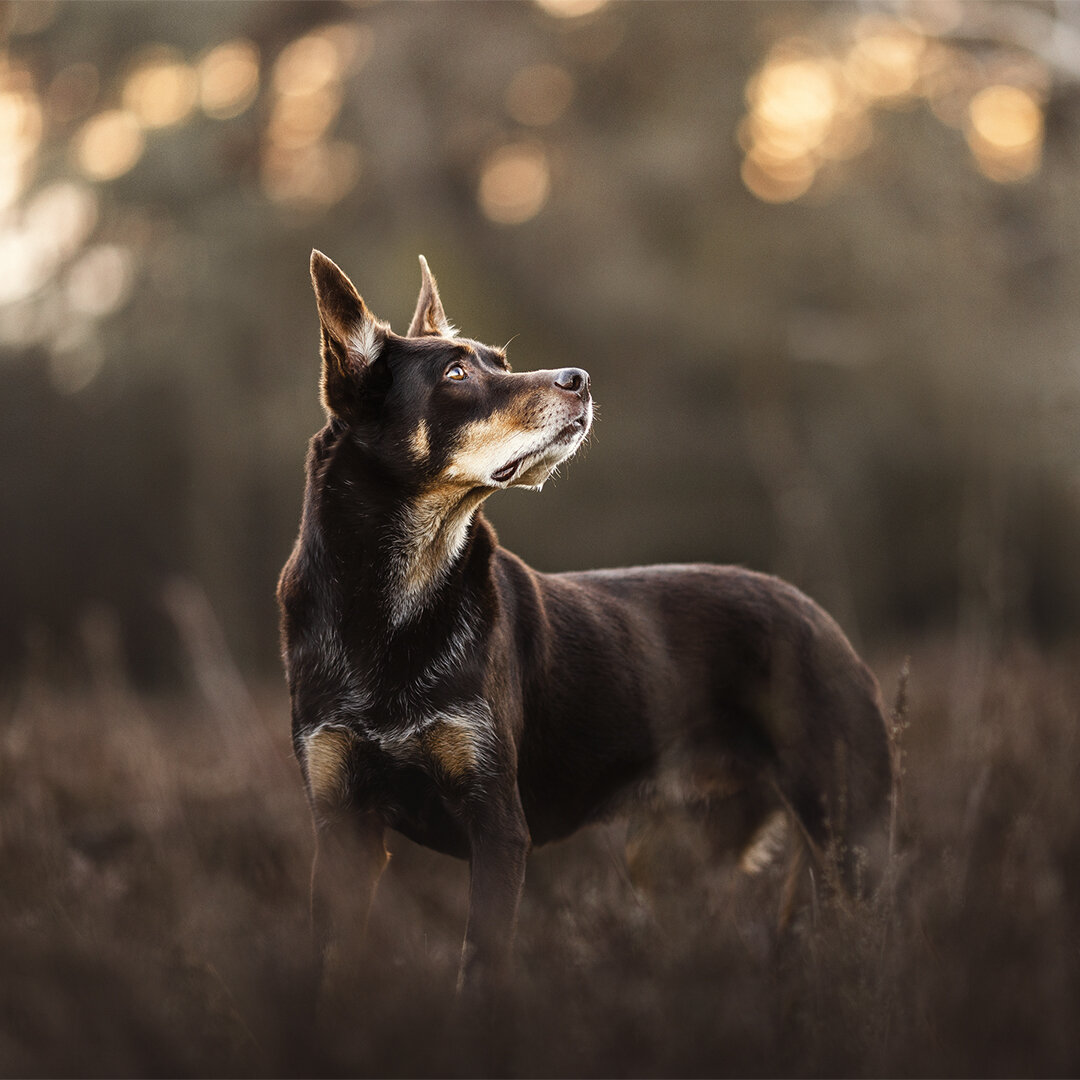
<point>533,474</point>
<point>533,478</point>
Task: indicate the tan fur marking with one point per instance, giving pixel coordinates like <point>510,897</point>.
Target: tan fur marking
<point>325,760</point>
<point>488,444</point>
<point>766,844</point>
<point>452,750</point>
<point>437,526</point>
<point>420,441</point>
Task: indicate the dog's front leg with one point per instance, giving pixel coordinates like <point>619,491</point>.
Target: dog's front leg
<point>499,847</point>
<point>350,853</point>
<point>350,857</point>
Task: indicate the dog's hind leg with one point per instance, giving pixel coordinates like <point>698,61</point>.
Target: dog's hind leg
<point>822,719</point>
<point>686,860</point>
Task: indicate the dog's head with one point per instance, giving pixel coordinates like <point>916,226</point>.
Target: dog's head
<point>437,409</point>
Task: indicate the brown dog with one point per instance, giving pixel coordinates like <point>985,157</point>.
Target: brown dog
<point>442,688</point>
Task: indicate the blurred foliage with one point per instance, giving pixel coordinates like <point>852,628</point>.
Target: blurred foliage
<point>821,260</point>
<point>157,868</point>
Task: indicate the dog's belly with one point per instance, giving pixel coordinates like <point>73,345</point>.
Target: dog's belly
<point>437,831</point>
<point>638,775</point>
<point>410,803</point>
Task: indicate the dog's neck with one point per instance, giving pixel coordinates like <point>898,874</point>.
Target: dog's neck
<point>404,549</point>
<point>425,542</point>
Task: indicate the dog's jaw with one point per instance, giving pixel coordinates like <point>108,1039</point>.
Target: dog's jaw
<point>532,469</point>
<point>434,528</point>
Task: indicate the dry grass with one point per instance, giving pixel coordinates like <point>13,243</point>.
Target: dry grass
<point>153,908</point>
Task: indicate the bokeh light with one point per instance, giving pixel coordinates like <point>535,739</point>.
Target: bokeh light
<point>354,43</point>
<point>301,119</point>
<point>776,181</point>
<point>99,281</point>
<point>515,182</point>
<point>884,62</point>
<point>109,144</point>
<point>321,59</point>
<point>811,103</point>
<point>25,265</point>
<point>795,101</point>
<point>228,79</point>
<point>300,167</point>
<point>310,177</point>
<point>539,94</point>
<point>62,216</point>
<point>570,9</point>
<point>20,134</point>
<point>1006,117</point>
<point>1005,132</point>
<point>306,65</point>
<point>161,90</point>
<point>76,356</point>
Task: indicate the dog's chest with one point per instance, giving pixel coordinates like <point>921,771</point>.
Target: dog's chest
<point>378,729</point>
<point>387,686</point>
<point>411,779</point>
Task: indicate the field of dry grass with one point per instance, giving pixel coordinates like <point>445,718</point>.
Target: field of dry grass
<point>155,858</point>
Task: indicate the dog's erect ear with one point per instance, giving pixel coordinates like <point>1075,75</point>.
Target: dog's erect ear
<point>430,317</point>
<point>352,337</point>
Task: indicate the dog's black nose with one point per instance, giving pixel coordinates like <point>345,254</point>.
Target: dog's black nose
<point>573,379</point>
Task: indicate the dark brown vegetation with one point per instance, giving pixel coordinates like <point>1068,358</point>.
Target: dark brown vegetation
<point>155,857</point>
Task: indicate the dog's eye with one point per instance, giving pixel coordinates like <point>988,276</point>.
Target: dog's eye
<point>456,371</point>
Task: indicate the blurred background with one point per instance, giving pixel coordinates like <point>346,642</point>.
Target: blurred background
<point>821,260</point>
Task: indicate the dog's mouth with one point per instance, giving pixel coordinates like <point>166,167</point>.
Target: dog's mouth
<point>503,475</point>
<point>573,431</point>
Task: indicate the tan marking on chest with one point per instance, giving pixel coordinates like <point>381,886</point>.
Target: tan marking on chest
<point>326,757</point>
<point>434,530</point>
<point>452,749</point>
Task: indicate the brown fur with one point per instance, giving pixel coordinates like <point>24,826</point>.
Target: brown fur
<point>491,707</point>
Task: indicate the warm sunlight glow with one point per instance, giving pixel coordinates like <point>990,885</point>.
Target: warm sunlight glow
<point>161,91</point>
<point>800,113</point>
<point>777,181</point>
<point>61,216</point>
<point>229,79</point>
<point>307,65</point>
<point>795,99</point>
<point>20,122</point>
<point>109,144</point>
<point>514,183</point>
<point>20,135</point>
<point>811,103</point>
<point>299,120</point>
<point>310,177</point>
<point>1005,132</point>
<point>570,9</point>
<point>24,265</point>
<point>1006,117</point>
<point>884,61</point>
<point>100,281</point>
